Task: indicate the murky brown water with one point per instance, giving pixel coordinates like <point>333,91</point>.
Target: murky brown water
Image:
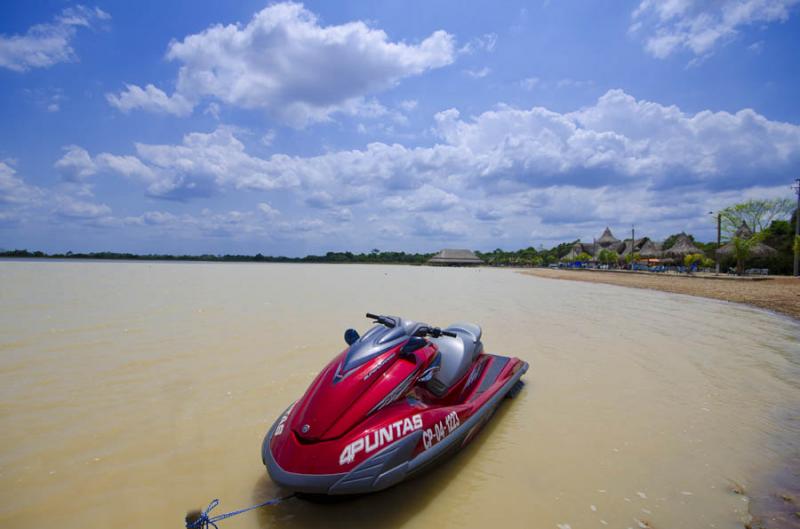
<point>131,392</point>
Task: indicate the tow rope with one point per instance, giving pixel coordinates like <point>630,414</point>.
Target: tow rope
<point>203,520</point>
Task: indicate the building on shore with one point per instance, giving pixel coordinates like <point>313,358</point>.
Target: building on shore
<point>654,252</point>
<point>647,248</point>
<point>682,247</point>
<point>607,241</point>
<point>757,249</point>
<point>455,257</point>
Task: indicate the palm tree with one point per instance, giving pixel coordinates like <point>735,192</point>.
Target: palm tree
<point>742,247</point>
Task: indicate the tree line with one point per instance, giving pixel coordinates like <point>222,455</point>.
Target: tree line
<point>769,219</point>
<point>375,256</point>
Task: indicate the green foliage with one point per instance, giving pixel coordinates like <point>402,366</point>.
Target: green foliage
<point>632,258</point>
<point>797,244</point>
<point>584,257</point>
<point>707,263</point>
<point>608,257</point>
<point>780,227</point>
<point>692,258</point>
<point>330,257</point>
<point>526,256</point>
<point>757,213</point>
<point>742,247</point>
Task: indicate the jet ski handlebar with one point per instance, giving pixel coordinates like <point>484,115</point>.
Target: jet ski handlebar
<point>383,320</point>
<point>434,332</point>
<point>423,330</point>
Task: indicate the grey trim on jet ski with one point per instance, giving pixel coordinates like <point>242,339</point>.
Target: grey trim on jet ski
<point>389,466</point>
<point>491,375</point>
<point>371,475</point>
<point>428,456</point>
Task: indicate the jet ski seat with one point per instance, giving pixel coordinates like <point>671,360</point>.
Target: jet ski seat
<point>457,354</point>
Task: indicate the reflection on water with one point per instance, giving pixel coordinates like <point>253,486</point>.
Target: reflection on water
<point>131,392</point>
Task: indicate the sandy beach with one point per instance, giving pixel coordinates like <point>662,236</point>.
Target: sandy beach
<point>779,294</point>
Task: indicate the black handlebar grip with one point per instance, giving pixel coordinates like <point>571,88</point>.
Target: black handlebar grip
<point>373,316</point>
<point>450,334</point>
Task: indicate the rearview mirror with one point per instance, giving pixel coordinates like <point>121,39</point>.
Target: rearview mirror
<point>351,336</point>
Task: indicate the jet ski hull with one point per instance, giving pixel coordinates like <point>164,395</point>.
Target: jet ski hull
<point>395,443</point>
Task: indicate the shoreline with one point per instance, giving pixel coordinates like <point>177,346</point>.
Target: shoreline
<point>780,294</point>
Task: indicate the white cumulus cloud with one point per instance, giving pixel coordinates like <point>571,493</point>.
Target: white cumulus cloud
<point>478,74</point>
<point>699,26</point>
<point>201,165</point>
<point>76,165</point>
<point>284,62</point>
<point>498,170</point>
<point>267,210</point>
<point>72,208</point>
<point>13,190</point>
<point>44,45</point>
<point>152,99</point>
<point>616,141</point>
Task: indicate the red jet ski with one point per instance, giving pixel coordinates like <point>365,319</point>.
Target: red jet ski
<point>396,401</point>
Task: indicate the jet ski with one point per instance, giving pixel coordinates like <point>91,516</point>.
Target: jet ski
<point>396,401</point>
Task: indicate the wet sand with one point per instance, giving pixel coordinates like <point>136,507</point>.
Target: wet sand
<point>133,392</point>
<point>779,294</point>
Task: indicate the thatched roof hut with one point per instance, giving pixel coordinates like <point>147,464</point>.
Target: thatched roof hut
<point>579,248</point>
<point>576,249</point>
<point>650,250</point>
<point>637,246</point>
<point>451,257</point>
<point>683,246</point>
<point>607,240</point>
<point>756,250</point>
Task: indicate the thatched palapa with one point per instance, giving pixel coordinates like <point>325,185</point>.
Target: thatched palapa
<point>683,246</point>
<point>650,250</point>
<point>607,241</point>
<point>607,238</point>
<point>756,250</point>
<point>637,246</point>
<point>451,257</point>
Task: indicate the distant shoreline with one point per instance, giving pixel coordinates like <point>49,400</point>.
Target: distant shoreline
<point>779,294</point>
<point>329,257</point>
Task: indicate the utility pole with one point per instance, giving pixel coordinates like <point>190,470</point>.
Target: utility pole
<point>719,238</point>
<point>796,187</point>
<point>633,243</point>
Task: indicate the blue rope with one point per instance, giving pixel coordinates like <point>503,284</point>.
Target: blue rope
<point>205,520</point>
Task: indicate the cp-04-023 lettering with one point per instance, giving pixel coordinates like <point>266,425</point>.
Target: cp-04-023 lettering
<point>440,430</point>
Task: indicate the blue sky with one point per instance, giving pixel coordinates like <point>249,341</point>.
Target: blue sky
<point>287,128</point>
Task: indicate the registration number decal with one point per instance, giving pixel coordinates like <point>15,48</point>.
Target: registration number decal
<point>440,430</point>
